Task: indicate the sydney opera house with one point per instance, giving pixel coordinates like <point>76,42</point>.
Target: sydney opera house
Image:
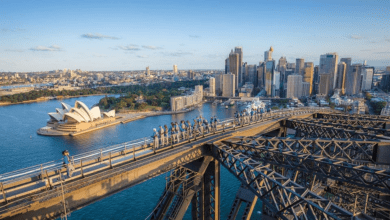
<point>69,119</point>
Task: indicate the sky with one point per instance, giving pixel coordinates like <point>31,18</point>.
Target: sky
<point>132,34</point>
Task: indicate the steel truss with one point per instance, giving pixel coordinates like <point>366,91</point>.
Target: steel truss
<point>352,117</point>
<point>353,122</point>
<point>312,130</point>
<point>294,154</point>
<point>284,197</point>
<point>368,130</point>
<point>196,183</point>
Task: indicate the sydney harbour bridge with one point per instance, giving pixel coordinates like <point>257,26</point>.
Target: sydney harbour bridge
<point>336,166</point>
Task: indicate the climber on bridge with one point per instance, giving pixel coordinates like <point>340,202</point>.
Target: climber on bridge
<point>173,134</point>
<point>161,133</point>
<point>155,138</point>
<point>206,126</point>
<point>215,123</point>
<point>68,163</point>
<point>200,125</point>
<point>166,135</point>
<point>177,132</point>
<point>195,130</point>
<point>183,129</point>
<point>189,129</point>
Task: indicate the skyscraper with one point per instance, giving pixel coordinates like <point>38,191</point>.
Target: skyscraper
<point>328,65</point>
<point>147,72</point>
<point>250,74</point>
<point>229,85</point>
<point>227,67</point>
<point>308,73</point>
<point>348,62</point>
<point>190,74</point>
<point>238,50</point>
<point>218,84</point>
<point>234,66</point>
<point>282,65</point>
<point>367,75</point>
<point>260,75</point>
<point>268,54</point>
<point>323,83</point>
<point>388,69</point>
<point>269,78</point>
<point>354,80</point>
<point>212,86</point>
<point>341,74</point>
<point>294,86</point>
<point>175,69</point>
<point>299,66</point>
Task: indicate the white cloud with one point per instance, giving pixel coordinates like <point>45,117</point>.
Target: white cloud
<point>129,47</point>
<point>151,47</point>
<point>356,37</point>
<point>98,36</point>
<point>142,56</point>
<point>43,48</point>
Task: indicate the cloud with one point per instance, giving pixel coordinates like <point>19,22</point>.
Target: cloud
<point>355,37</point>
<point>385,52</point>
<point>11,30</point>
<point>151,47</point>
<point>178,54</point>
<point>99,55</point>
<point>14,50</point>
<point>129,47</point>
<point>366,50</point>
<point>142,56</point>
<point>98,36</point>
<point>181,44</point>
<point>194,36</point>
<point>388,39</point>
<point>43,48</point>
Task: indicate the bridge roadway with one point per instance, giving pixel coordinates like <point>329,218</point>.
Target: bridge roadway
<point>43,191</point>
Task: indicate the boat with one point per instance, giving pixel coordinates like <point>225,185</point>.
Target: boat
<point>226,106</point>
<point>231,103</point>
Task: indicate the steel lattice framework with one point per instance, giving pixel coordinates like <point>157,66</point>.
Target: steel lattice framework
<point>354,122</point>
<point>352,117</point>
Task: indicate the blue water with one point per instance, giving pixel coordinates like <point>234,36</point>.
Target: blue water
<point>20,147</point>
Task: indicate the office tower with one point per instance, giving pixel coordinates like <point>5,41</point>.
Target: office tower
<point>282,65</point>
<point>245,75</point>
<point>212,86</point>
<point>316,79</point>
<point>238,50</point>
<point>294,86</point>
<point>227,69</point>
<point>276,84</point>
<point>328,65</point>
<point>305,89</point>
<point>354,80</point>
<point>269,78</point>
<point>175,69</point>
<point>299,66</point>
<point>388,69</point>
<point>323,83</point>
<point>268,54</point>
<point>229,84</point>
<point>218,84</point>
<point>341,74</point>
<point>260,75</point>
<point>367,75</point>
<point>308,73</point>
<point>147,72</point>
<point>234,66</point>
<point>190,74</point>
<point>291,66</point>
<point>250,74</point>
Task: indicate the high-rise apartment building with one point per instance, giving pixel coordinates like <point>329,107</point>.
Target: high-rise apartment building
<point>234,66</point>
<point>269,78</point>
<point>328,65</point>
<point>218,84</point>
<point>190,74</point>
<point>294,86</point>
<point>341,74</point>
<point>212,86</point>
<point>354,80</point>
<point>367,75</point>
<point>308,73</point>
<point>229,85</point>
<point>268,54</point>
<point>147,72</point>
<point>175,69</point>
<point>299,66</point>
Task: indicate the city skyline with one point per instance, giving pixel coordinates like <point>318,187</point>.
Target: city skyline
<point>43,36</point>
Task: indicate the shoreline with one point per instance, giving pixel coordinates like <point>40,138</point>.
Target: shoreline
<point>43,99</point>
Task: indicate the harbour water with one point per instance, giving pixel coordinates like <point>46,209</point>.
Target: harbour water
<point>20,147</point>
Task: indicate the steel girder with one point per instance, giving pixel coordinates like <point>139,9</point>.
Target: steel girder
<point>285,198</point>
<point>358,200</point>
<point>352,117</point>
<point>368,130</point>
<point>281,154</point>
<point>312,130</point>
<point>353,122</point>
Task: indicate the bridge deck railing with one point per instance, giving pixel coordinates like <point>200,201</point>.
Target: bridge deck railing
<point>97,156</point>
